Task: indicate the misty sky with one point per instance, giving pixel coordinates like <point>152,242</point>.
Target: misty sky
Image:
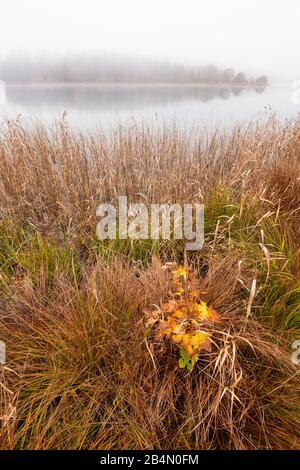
<point>256,36</point>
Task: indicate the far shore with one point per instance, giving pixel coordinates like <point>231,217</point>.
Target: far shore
<point>55,84</point>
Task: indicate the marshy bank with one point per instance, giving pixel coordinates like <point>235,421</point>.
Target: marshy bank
<point>85,367</point>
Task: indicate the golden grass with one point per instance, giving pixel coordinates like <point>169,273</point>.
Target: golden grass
<point>56,175</point>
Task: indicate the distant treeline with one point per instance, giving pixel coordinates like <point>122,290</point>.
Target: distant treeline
<point>115,68</point>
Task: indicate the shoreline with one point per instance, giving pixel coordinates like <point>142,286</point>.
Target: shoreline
<point>43,84</point>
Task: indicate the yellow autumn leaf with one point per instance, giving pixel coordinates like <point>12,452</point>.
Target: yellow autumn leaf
<point>186,339</point>
<point>199,338</point>
<point>177,338</point>
<point>180,291</point>
<point>201,310</point>
<point>180,272</point>
<point>179,314</point>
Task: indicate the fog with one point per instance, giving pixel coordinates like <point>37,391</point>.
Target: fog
<point>257,37</point>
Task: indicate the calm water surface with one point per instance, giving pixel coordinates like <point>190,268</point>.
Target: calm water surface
<point>90,106</point>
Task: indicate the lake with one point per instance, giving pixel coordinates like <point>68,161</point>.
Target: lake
<point>92,105</point>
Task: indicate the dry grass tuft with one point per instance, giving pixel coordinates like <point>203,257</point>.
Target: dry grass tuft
<point>85,372</point>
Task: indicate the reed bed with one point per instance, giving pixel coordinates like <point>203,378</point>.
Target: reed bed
<point>85,368</point>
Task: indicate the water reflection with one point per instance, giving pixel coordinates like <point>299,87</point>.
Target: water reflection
<point>90,106</point>
<point>115,97</point>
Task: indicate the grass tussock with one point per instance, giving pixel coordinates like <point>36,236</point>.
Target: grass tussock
<point>86,366</point>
